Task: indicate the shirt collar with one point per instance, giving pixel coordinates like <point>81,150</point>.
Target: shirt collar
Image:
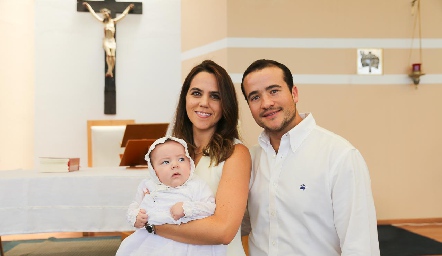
<point>296,135</point>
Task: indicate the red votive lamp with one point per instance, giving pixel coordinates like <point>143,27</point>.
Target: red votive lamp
<point>416,67</point>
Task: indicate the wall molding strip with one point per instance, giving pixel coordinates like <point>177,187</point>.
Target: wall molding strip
<point>319,79</point>
<point>311,43</point>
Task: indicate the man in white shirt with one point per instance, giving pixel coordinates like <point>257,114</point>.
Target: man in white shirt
<point>310,191</point>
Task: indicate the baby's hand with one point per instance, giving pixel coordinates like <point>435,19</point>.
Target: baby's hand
<point>141,219</point>
<point>177,211</point>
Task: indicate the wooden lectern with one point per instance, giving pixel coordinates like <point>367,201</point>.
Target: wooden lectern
<point>137,139</point>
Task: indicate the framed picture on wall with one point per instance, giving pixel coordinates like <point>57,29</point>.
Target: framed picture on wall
<point>369,62</point>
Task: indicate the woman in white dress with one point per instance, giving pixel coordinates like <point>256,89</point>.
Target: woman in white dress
<point>207,119</point>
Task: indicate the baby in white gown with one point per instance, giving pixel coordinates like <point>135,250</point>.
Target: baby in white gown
<point>174,196</point>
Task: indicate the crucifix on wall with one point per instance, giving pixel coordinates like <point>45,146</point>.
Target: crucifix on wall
<point>109,10</point>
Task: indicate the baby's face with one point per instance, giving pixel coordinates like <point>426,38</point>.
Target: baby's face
<point>170,163</point>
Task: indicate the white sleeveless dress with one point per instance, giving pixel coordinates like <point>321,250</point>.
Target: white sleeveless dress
<point>212,175</point>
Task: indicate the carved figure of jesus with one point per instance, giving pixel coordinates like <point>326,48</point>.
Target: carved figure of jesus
<point>109,43</point>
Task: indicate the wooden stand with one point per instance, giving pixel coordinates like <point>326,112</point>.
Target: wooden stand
<point>134,153</point>
<point>137,139</point>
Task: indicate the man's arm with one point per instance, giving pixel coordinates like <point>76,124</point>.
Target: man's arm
<point>353,206</point>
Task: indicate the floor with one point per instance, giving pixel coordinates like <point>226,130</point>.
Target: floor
<point>57,235</point>
<point>433,230</point>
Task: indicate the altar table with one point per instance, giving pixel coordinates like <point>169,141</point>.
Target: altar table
<point>89,200</point>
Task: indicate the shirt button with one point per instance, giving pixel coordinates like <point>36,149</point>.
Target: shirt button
<point>273,243</point>
<point>274,184</point>
<point>272,213</point>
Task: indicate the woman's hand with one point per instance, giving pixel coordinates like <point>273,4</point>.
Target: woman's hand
<point>177,211</point>
<point>141,219</point>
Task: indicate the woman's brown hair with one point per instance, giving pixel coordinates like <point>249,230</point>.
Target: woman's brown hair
<point>221,145</point>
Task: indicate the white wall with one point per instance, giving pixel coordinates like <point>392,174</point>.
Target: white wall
<point>16,84</point>
<point>69,73</point>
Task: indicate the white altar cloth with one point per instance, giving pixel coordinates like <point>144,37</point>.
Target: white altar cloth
<point>89,200</point>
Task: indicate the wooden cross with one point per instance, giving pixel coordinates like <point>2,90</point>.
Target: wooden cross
<point>110,102</point>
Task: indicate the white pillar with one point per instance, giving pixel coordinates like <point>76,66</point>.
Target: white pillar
<point>17,84</point>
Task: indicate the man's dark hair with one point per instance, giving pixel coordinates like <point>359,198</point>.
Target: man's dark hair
<point>263,63</point>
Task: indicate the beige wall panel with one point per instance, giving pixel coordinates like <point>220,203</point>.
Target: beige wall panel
<point>396,128</point>
<point>202,22</point>
<point>333,61</point>
<point>300,61</point>
<point>431,59</point>
<point>431,18</point>
<point>329,18</point>
<point>398,61</point>
<point>220,57</point>
<point>249,130</point>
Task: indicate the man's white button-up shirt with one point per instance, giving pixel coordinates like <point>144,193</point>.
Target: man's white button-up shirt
<point>312,197</point>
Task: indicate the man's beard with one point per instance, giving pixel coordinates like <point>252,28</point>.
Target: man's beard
<point>288,119</point>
